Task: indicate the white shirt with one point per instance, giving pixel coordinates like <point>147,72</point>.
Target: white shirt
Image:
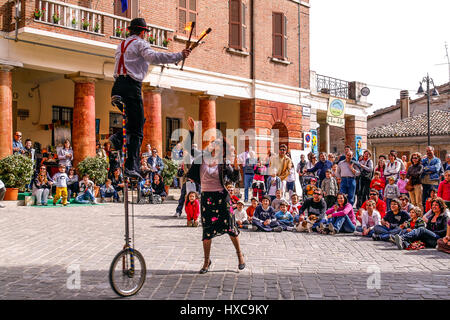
<point>240,215</point>
<point>139,55</point>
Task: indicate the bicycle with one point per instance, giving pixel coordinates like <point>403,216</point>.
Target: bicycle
<point>128,270</point>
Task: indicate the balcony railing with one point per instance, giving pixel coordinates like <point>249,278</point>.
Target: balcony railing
<point>65,15</point>
<point>334,87</point>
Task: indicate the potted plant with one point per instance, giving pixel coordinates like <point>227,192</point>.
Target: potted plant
<point>56,18</point>
<point>118,32</point>
<point>16,172</point>
<point>96,27</point>
<point>166,42</point>
<point>169,172</point>
<point>74,23</point>
<point>151,39</point>
<point>85,24</point>
<point>96,168</point>
<point>38,13</point>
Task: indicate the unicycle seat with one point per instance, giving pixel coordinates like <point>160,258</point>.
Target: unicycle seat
<point>117,101</point>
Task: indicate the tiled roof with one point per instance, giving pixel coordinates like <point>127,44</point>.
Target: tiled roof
<point>415,126</point>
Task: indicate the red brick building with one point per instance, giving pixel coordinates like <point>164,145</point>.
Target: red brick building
<point>251,72</point>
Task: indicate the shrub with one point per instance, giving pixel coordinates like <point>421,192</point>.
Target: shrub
<point>96,168</point>
<point>16,171</point>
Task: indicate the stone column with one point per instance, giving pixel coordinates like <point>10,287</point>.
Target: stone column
<point>152,113</point>
<point>83,125</point>
<point>207,115</point>
<point>6,123</point>
<point>324,137</point>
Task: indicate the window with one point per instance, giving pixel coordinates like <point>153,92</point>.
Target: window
<point>115,122</point>
<point>172,124</point>
<point>279,35</point>
<point>237,25</point>
<point>62,124</point>
<point>118,9</point>
<point>187,12</point>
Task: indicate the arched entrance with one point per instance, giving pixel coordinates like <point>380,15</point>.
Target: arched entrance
<point>280,132</point>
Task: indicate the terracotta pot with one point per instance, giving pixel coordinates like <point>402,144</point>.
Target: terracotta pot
<point>166,188</point>
<point>11,194</point>
<point>96,191</point>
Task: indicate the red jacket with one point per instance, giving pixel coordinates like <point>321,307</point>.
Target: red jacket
<point>444,190</point>
<point>380,207</point>
<point>192,208</point>
<point>380,187</point>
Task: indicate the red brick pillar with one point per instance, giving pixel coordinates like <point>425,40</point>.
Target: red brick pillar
<point>207,115</point>
<point>83,125</point>
<point>355,126</point>
<point>153,116</point>
<point>6,124</point>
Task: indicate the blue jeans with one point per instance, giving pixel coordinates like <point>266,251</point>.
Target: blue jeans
<point>360,229</point>
<point>384,232</point>
<point>342,224</point>
<point>109,194</point>
<point>348,186</point>
<point>428,237</point>
<point>85,197</point>
<point>248,179</point>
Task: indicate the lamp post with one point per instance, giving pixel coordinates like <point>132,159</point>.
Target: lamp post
<point>435,95</point>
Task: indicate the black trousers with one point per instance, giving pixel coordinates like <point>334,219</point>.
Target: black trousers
<point>130,91</point>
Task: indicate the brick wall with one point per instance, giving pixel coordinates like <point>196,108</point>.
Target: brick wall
<point>212,55</point>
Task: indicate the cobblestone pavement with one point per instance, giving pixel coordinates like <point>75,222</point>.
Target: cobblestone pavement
<point>40,246</point>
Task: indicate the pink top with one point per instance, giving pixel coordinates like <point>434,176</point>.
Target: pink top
<point>209,178</point>
<point>347,210</point>
<point>444,190</point>
<point>401,184</point>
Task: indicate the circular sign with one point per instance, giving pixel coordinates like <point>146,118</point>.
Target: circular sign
<point>337,108</point>
<point>365,91</point>
<point>308,138</point>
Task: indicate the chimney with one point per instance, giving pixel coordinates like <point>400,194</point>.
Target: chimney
<point>405,111</point>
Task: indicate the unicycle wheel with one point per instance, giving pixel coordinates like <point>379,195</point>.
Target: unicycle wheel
<point>127,272</point>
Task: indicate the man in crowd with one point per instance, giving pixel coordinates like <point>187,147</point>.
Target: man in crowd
<point>431,173</point>
<point>17,143</point>
<point>282,163</point>
<point>321,166</point>
<point>347,171</point>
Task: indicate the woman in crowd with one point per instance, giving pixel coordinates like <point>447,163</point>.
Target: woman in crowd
<point>312,160</point>
<point>341,217</point>
<point>117,180</point>
<point>414,174</point>
<point>41,189</point>
<point>393,167</point>
<point>65,155</point>
<point>72,183</point>
<point>158,186</point>
<point>436,220</point>
<point>366,167</point>
<point>211,171</point>
<point>381,166</point>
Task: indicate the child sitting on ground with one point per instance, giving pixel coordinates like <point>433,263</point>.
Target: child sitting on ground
<point>273,184</point>
<point>146,190</point>
<point>285,219</point>
<point>60,180</point>
<point>107,191</point>
<point>294,207</point>
<point>86,194</point>
<point>251,209</point>
<point>233,198</point>
<point>369,219</point>
<point>241,215</point>
<point>311,187</point>
<point>378,184</point>
<point>277,201</point>
<point>264,218</point>
<point>192,208</point>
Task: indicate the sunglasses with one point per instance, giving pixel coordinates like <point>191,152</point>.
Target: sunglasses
<point>282,149</point>
<point>373,194</point>
<point>316,193</point>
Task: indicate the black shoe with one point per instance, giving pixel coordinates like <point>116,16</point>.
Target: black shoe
<point>241,266</point>
<point>376,237</point>
<point>132,174</point>
<point>205,270</point>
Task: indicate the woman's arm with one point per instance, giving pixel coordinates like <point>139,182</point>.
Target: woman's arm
<point>343,212</point>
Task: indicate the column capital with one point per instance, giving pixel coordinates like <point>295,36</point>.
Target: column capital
<point>207,97</point>
<point>6,65</point>
<point>83,77</point>
<point>146,87</point>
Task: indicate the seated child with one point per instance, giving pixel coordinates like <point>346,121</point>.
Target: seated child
<point>378,184</point>
<point>86,194</point>
<point>283,216</point>
<point>251,209</point>
<point>107,191</point>
<point>295,206</point>
<point>234,199</point>
<point>192,208</point>
<point>369,219</point>
<point>146,190</point>
<point>415,222</point>
<point>241,215</point>
<point>60,180</point>
<point>273,184</point>
<point>309,190</point>
<point>277,201</point>
<point>264,218</point>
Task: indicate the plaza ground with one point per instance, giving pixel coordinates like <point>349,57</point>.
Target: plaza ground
<point>40,247</point>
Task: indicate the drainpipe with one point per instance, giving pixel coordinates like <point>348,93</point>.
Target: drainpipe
<point>299,48</point>
<point>252,41</point>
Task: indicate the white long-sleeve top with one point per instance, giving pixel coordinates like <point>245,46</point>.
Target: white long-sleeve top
<point>370,221</point>
<point>139,55</point>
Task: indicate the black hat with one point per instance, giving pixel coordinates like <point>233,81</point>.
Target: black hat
<point>138,24</point>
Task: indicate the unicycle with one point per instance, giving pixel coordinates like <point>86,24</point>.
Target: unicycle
<point>127,271</point>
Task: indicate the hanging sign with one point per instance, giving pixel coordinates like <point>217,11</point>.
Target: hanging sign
<point>336,112</point>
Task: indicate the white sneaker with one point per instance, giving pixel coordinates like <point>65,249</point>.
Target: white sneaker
<point>290,228</point>
<point>254,228</point>
<point>357,233</point>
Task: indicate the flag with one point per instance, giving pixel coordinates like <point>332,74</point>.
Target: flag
<point>124,5</point>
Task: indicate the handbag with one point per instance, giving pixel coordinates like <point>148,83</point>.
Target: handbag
<point>409,186</point>
<point>442,246</point>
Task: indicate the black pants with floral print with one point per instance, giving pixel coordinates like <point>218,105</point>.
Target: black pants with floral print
<point>217,219</point>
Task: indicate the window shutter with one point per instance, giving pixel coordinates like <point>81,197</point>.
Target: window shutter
<point>235,24</point>
<point>277,35</point>
<point>285,37</point>
<point>244,26</point>
<point>182,15</point>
